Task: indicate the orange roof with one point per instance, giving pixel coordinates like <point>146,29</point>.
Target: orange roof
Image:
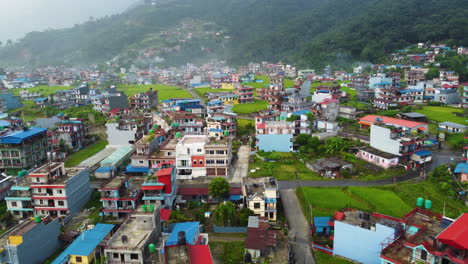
<point>364,123</point>
<point>391,120</point>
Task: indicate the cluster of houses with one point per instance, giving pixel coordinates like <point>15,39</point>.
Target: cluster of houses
<point>420,236</point>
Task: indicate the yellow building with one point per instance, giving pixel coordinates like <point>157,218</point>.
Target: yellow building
<point>83,249</point>
<point>228,86</point>
<point>231,99</point>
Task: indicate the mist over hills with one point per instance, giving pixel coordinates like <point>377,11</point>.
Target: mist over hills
<point>307,33</point>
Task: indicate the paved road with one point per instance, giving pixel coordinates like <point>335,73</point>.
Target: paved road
<point>241,167</point>
<point>297,225</point>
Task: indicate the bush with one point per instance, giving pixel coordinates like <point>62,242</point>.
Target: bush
<point>434,103</point>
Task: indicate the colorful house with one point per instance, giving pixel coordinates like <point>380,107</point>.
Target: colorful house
<point>162,186</point>
<point>120,196</point>
<point>86,246</point>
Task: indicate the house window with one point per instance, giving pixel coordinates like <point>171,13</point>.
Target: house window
<point>59,191</point>
<point>220,152</point>
<point>13,204</point>
<point>140,161</point>
<point>78,259</point>
<point>61,203</point>
<point>194,162</point>
<point>134,256</point>
<point>115,255</point>
<point>257,205</point>
<point>38,179</point>
<point>201,162</point>
<point>423,254</point>
<point>199,150</point>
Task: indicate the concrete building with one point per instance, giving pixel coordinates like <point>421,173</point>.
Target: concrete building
<point>104,103</point>
<point>245,94</point>
<point>110,164</point>
<point>452,127</point>
<point>188,123</point>
<point>63,99</point>
<point>274,92</point>
<point>261,196</point>
<point>220,123</point>
<point>161,186</point>
<point>260,239</point>
<point>199,156</point>
<point>145,148</point>
<point>406,125</point>
<point>24,149</point>
<point>128,130</point>
<point>415,75</point>
<point>50,190</point>
<point>31,241</point>
<point>348,112</point>
<point>87,247</point>
<point>182,104</point>
<point>120,196</point>
<point>72,132</point>
<point>8,102</point>
<point>447,96</point>
<point>144,100</point>
<point>130,243</point>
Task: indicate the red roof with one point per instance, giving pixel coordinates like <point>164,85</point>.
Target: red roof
<point>192,191</point>
<point>165,214</point>
<point>164,172</point>
<point>200,254</point>
<point>391,120</point>
<point>152,188</point>
<point>456,235</point>
<point>339,216</point>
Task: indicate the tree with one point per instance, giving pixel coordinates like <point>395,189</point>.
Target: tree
<point>432,73</point>
<point>224,213</point>
<point>219,188</point>
<point>335,145</point>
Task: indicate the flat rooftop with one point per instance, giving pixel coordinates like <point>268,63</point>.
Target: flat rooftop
<point>23,228</point>
<point>368,220</point>
<point>177,255</point>
<point>46,168</point>
<point>118,183</point>
<point>136,237</point>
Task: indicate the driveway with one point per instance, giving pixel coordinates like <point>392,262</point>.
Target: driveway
<point>241,167</point>
<point>297,225</point>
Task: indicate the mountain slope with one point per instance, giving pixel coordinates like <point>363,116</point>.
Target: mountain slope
<point>304,32</point>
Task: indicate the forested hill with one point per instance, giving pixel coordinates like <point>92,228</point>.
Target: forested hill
<point>304,32</point>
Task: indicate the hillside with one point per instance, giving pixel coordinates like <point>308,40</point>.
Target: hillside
<point>305,32</point>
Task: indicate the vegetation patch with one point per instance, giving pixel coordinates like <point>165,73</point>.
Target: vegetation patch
<point>443,113</point>
<point>203,91</point>
<point>164,91</point>
<point>45,90</point>
<point>76,158</point>
<point>245,127</point>
<point>321,257</point>
<point>282,170</point>
<point>228,252</point>
<point>248,108</point>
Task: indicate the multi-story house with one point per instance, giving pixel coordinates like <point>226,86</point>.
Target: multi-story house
<point>24,149</point>
<point>182,104</point>
<point>161,186</point>
<point>72,132</point>
<point>41,102</point>
<point>296,102</point>
<point>63,99</point>
<point>274,92</point>
<point>261,196</point>
<point>29,96</point>
<point>120,196</point>
<point>462,168</point>
<point>81,93</point>
<point>449,76</point>
<point>199,156</point>
<point>216,80</point>
<point>50,190</point>
<point>222,122</point>
<point>409,148</point>
<point>145,148</point>
<point>144,100</point>
<point>245,94</point>
<point>464,95</point>
<point>104,103</point>
<point>128,130</point>
<point>215,106</point>
<point>134,242</point>
<point>415,75</point>
<point>188,123</point>
<point>31,241</point>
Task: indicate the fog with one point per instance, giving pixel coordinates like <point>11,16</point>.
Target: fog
<point>19,17</point>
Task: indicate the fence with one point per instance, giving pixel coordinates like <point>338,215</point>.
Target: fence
<point>229,229</point>
<point>323,249</point>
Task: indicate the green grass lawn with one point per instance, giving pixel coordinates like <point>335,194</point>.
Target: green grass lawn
<point>245,126</point>
<point>45,90</point>
<point>352,93</point>
<point>266,81</point>
<point>76,158</point>
<point>202,91</point>
<point>282,170</point>
<point>442,114</point>
<point>248,108</point>
<point>322,258</point>
<point>228,252</point>
<point>355,103</point>
<point>164,91</point>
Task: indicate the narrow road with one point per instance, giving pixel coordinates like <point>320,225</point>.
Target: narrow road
<point>241,167</point>
<point>195,95</point>
<point>298,227</point>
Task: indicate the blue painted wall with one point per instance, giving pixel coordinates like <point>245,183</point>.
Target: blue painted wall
<point>279,143</point>
<point>78,191</point>
<point>38,244</point>
<point>358,243</point>
<point>11,101</point>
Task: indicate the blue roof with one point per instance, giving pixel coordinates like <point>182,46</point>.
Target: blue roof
<point>41,99</point>
<point>301,112</point>
<point>191,230</point>
<point>219,118</point>
<point>166,101</point>
<point>461,167</point>
<point>215,130</point>
<point>104,169</point>
<point>270,200</point>
<point>130,168</point>
<point>214,102</point>
<point>235,197</point>
<point>422,153</point>
<point>85,244</point>
<point>4,123</point>
<point>16,137</point>
<point>321,221</point>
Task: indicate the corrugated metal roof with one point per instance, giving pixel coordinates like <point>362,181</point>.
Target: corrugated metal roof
<point>16,137</point>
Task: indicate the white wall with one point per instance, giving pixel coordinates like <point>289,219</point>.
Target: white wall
<point>380,139</point>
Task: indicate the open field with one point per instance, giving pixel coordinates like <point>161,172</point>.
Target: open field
<point>202,91</point>
<point>282,170</point>
<point>256,106</point>
<point>442,114</point>
<point>45,90</point>
<point>164,91</point>
<point>394,200</point>
<point>79,156</point>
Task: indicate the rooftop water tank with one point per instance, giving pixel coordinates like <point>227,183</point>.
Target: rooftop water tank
<point>420,202</point>
<point>151,248</point>
<point>428,204</point>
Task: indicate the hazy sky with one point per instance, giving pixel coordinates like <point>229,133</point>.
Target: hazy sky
<point>18,17</point>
